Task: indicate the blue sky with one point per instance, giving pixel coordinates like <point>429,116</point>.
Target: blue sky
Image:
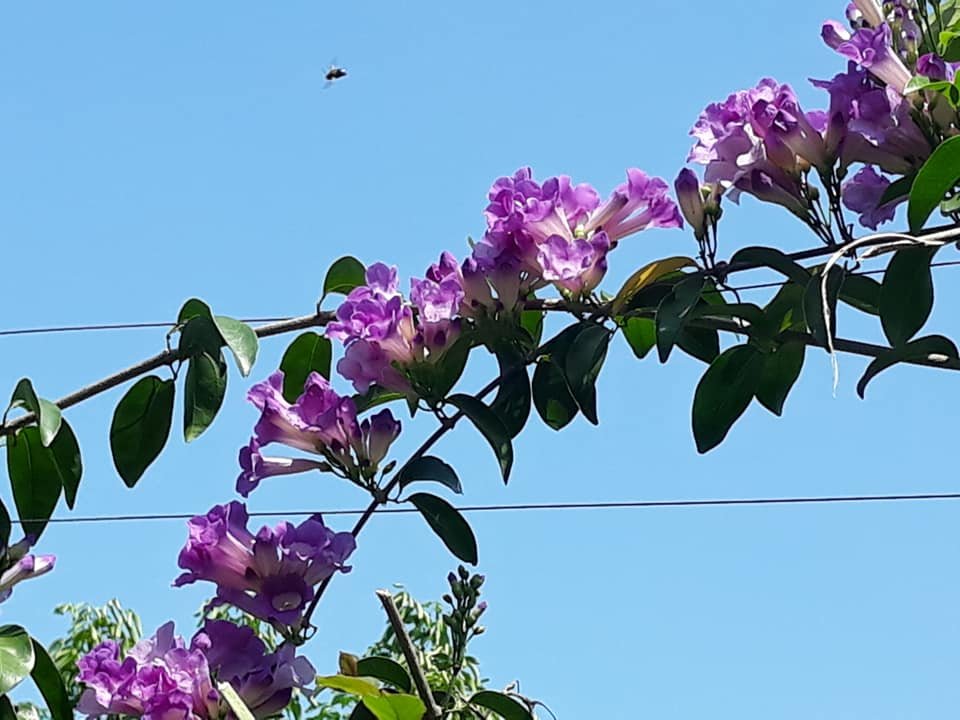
<point>155,152</point>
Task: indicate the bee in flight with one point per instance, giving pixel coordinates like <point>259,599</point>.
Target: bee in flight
<point>334,73</point>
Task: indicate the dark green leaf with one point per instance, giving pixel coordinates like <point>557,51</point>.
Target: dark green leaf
<point>16,657</point>
<point>140,427</point>
<point>700,343</point>
<point>4,529</point>
<point>48,681</point>
<point>785,310</point>
<point>35,479</point>
<point>813,304</point>
<point>920,348</point>
<point>429,469</point>
<point>780,371</point>
<point>512,403</point>
<point>490,427</point>
<point>7,710</point>
<point>194,308</point>
<point>66,455</point>
<point>551,395</point>
<point>861,292</point>
<point>375,396</point>
<point>898,189</point>
<point>582,365</point>
<point>774,259</point>
<point>532,322</point>
<point>343,276</point>
<point>950,46</point>
<point>395,707</point>
<point>203,392</point>
<point>308,353</point>
<point>360,712</point>
<point>673,313</point>
<point>385,670</point>
<point>723,394</point>
<point>641,334</point>
<point>906,297</point>
<point>938,175</point>
<point>199,336</point>
<point>744,311</point>
<point>450,367</point>
<point>48,414</point>
<point>242,341</point>
<point>503,705</point>
<point>449,525</point>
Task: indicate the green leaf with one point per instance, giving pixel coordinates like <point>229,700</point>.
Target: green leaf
<point>641,334</point>
<point>861,292</point>
<point>646,276</point>
<point>503,705</point>
<point>375,396</point>
<point>450,367</point>
<point>7,710</point>
<point>774,259</point>
<point>5,527</point>
<point>360,712</point>
<point>449,525</point>
<point>203,392</point>
<point>582,365</point>
<point>35,479</point>
<point>938,175</point>
<point>532,322</point>
<point>785,310</point>
<point>140,427</point>
<point>308,353</point>
<point>242,341</point>
<point>234,701</point>
<point>950,46</point>
<point>193,308</point>
<point>490,427</point>
<point>780,371</point>
<point>551,395</point>
<point>917,349</point>
<point>906,297</point>
<point>700,343</point>
<point>744,311</point>
<point>343,276</point>
<point>385,670</point>
<point>673,313</point>
<point>66,456</point>
<point>723,394</point>
<point>48,681</point>
<point>199,336</point>
<point>48,415</point>
<point>16,657</point>
<point>361,686</point>
<point>395,707</point>
<point>512,403</point>
<point>429,469</point>
<point>813,304</point>
<point>898,189</point>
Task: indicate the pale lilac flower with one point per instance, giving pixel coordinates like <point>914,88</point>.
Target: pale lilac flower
<point>862,194</point>
<point>270,575</point>
<point>870,11</point>
<point>254,467</point>
<point>26,567</point>
<point>575,266</point>
<point>871,48</point>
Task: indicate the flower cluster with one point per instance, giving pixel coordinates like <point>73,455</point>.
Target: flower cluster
<point>22,566</point>
<point>270,575</point>
<point>164,679</point>
<point>320,422</point>
<point>761,142</point>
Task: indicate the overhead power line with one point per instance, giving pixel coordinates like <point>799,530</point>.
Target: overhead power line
<point>158,324</point>
<point>535,507</point>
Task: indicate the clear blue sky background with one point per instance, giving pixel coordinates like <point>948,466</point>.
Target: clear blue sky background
<point>153,152</point>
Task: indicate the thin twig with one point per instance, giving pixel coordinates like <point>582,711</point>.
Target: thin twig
<point>419,679</point>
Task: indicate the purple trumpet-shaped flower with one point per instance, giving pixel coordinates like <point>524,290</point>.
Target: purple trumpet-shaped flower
<point>264,681</point>
<point>269,575</point>
<point>320,421</point>
<point>576,266</point>
<point>690,200</point>
<point>863,193</point>
<point>160,679</point>
<point>439,299</point>
<point>868,10</point>
<point>872,49</point>
<point>25,567</point>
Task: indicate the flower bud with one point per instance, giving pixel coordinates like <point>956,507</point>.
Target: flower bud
<point>687,186</point>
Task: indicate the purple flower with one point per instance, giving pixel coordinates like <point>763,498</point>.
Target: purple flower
<point>576,266</point>
<point>366,363</point>
<point>869,10</point>
<point>870,48</point>
<point>934,67</point>
<point>160,679</point>
<point>439,295</point>
<point>320,421</point>
<point>24,568</point>
<point>690,200</point>
<point>270,575</point>
<point>264,681</point>
<point>862,194</point>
